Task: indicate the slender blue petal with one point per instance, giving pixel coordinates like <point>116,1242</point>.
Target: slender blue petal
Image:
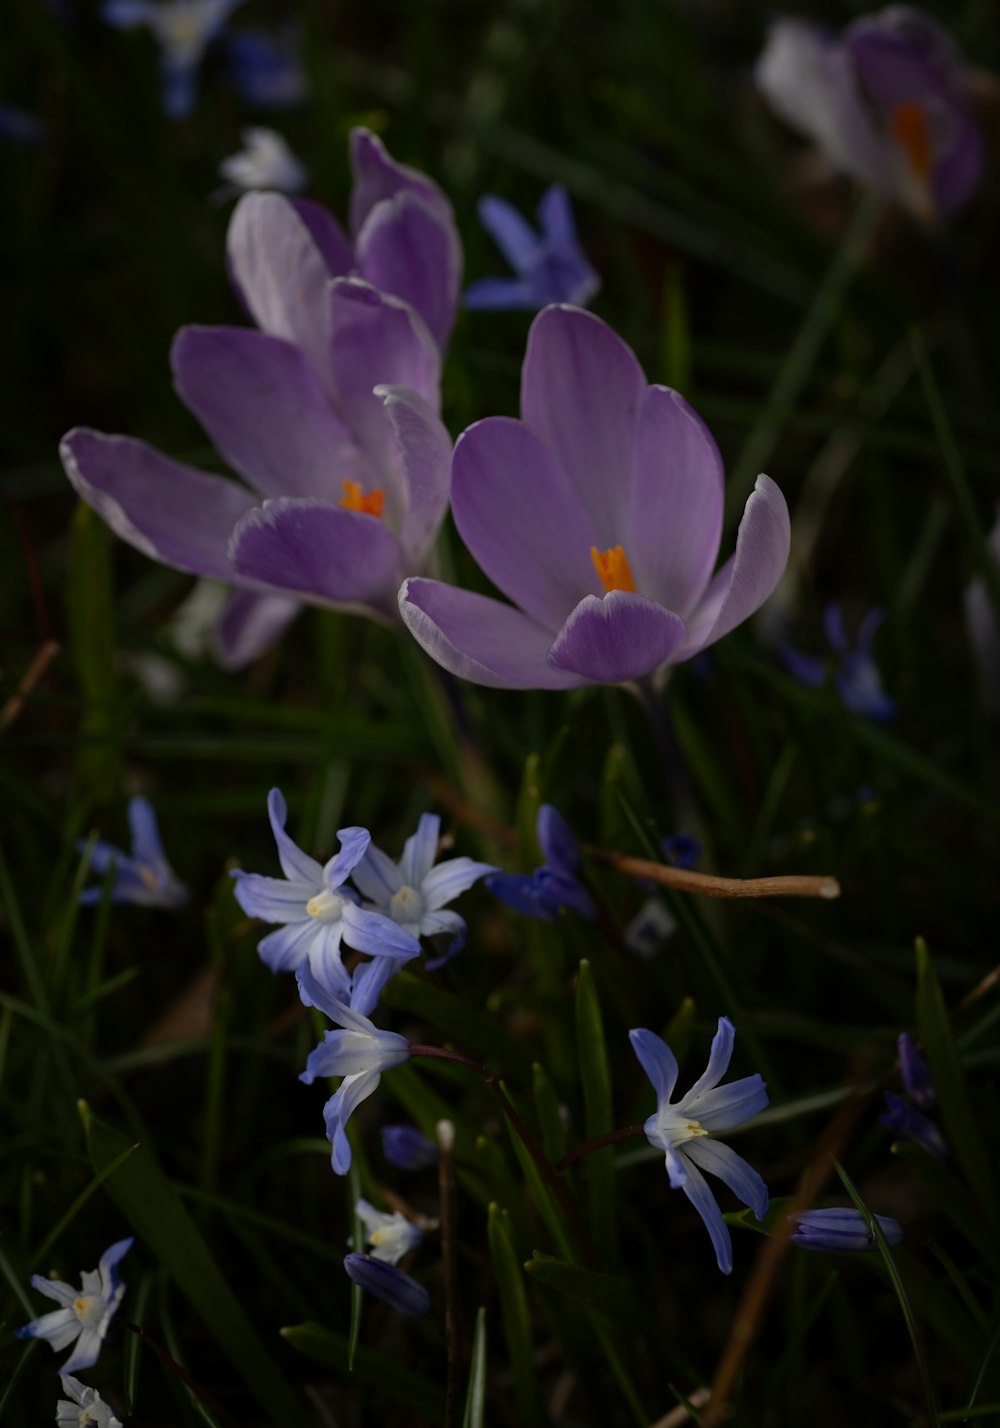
<point>840,1231</point>
<point>729,1105</point>
<point>559,844</point>
<point>718,1061</point>
<point>907,1123</point>
<point>388,1282</point>
<point>407,1148</point>
<point>722,1161</point>
<point>656,1059</point>
<point>697,1190</point>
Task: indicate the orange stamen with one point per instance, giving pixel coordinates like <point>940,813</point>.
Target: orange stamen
<point>369,504</point>
<point>908,126</point>
<point>613,568</point>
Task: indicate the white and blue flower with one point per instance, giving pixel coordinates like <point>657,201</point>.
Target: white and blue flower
<point>83,1406</point>
<point>144,876</point>
<point>183,29</point>
<point>390,1236</point>
<point>84,1314</point>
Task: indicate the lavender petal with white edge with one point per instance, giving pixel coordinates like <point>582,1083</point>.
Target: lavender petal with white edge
<point>618,638</point>
<point>424,449</point>
<point>262,405</point>
<point>404,249</point>
<point>171,512</point>
<point>377,177</point>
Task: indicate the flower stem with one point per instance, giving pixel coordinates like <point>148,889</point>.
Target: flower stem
<point>792,885</point>
<point>598,1143</point>
<point>449,1260</point>
<point>174,1367</point>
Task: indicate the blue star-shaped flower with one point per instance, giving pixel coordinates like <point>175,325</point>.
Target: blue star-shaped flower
<point>549,266</point>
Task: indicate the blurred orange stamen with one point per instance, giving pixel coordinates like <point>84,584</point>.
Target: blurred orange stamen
<point>908,126</point>
<point>613,568</point>
<point>369,504</point>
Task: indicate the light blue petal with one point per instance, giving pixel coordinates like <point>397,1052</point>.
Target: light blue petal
<point>86,1353</point>
<point>728,1105</point>
<point>718,1062</point>
<point>677,1167</point>
<point>377,877</point>
<point>107,1268</point>
<point>147,849</point>
<point>338,1111</point>
<point>54,1289</point>
<point>420,850</point>
<point>500,295</point>
<point>353,847</point>
<point>656,1059</point>
<point>127,14</point>
<point>559,844</point>
<point>326,962</point>
<point>296,865</point>
<point>555,218</point>
<point>272,899</point>
<point>60,1328</point>
<point>376,934</point>
<point>722,1161</point>
<point>101,855</point>
<point>369,982</point>
<point>512,233</point>
<point>448,880</point>
<point>437,922</point>
<point>833,626</point>
<point>314,994</point>
<point>287,949</point>
<point>809,670</point>
<point>697,1190</point>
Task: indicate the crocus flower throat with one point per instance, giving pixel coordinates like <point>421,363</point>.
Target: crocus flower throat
<point>613,569</point>
<point>368,503</point>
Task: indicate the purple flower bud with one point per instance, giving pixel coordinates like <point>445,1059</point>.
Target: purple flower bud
<point>681,850</point>
<point>387,1282</point>
<point>907,1123</point>
<point>917,1081</point>
<point>840,1231</point>
<point>407,1148</point>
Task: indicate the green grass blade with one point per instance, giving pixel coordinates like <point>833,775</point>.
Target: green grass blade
<point>475,1401</point>
<point>595,1078</point>
<point>52,1238</point>
<point>516,1320</point>
<point>375,1370</point>
<point>606,1293</point>
<point>358,1244</point>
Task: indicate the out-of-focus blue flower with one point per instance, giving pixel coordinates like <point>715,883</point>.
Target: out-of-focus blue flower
<point>550,265</point>
<point>265,161</point>
<point>556,884</point>
<point>907,1123</point>
<point>183,29</point>
<point>358,1051</point>
<point>143,876</point>
<point>85,1313</point>
<point>916,1074</point>
<point>680,850</point>
<point>840,1231</point>
<point>387,1282</point>
<point>392,1236</point>
<point>407,1148</point>
<point>855,672</point>
<point>649,930</point>
<point>266,70</point>
<point>317,909</point>
<point>685,1131</point>
<point>17,126</point>
<point>87,1406</point>
<point>414,892</point>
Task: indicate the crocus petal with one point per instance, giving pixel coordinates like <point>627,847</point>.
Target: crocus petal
<point>388,1282</point>
<point>420,850</point>
<point>338,1110</point>
<point>354,844</point>
<point>379,936</point>
<point>729,1105</point>
<point>281,274</point>
<point>718,1061</point>
<point>404,249</point>
<point>445,882</point>
<point>260,401</point>
<point>744,583</point>
<point>559,844</point>
<point>519,512</point>
<point>377,176</point>
<point>170,512</point>
<point>324,552</point>
<point>249,624</point>
<point>296,865</point>
<point>480,639</point>
<point>656,1059</point>
<point>331,240</point>
<point>424,448</point>
<point>377,877</point>
<point>675,519</point>
<point>722,1161</point>
<point>580,390</point>
<point>147,848</point>
<point>697,1190</point>
<point>513,235</point>
<point>272,899</point>
<point>617,638</point>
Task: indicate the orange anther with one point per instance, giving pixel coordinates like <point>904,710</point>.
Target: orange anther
<point>908,126</point>
<point>613,568</point>
<point>369,504</point>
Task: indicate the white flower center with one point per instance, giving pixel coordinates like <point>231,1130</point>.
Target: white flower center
<point>407,905</point>
<point>326,906</point>
<point>674,1128</point>
<point>88,1308</point>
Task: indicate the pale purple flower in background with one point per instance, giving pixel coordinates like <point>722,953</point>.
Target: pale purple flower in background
<point>599,516</point>
<point>183,29</point>
<point>317,911</point>
<point>886,101</point>
<point>550,265</point>
<point>387,1282</point>
<point>840,1231</point>
<point>265,161</point>
<point>853,668</point>
<point>358,1051</point>
<point>391,1236</point>
<point>906,1123</point>
<point>685,1130</point>
<point>266,70</point>
<point>329,411</point>
<point>143,876</point>
<point>85,1313</point>
<point>416,893</point>
<point>556,885</point>
<point>83,1406</point>
<point>407,1148</point>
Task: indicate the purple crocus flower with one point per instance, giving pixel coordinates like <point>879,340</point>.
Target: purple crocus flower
<point>855,672</point>
<point>407,1148</point>
<point>550,266</point>
<point>556,884</point>
<point>143,876</point>
<point>840,1231</point>
<point>388,1282</point>
<point>328,412</point>
<point>183,29</point>
<point>266,70</point>
<point>685,1130</point>
<point>599,515</point>
<point>906,1123</point>
<point>886,101</point>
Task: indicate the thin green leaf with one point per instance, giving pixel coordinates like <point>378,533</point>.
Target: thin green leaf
<point>133,1344</point>
<point>422,1398</point>
<point>550,1118</point>
<point>6,1397</point>
<point>475,1400</point>
<point>462,1023</point>
<point>606,1293</point>
<point>516,1320</point>
<point>357,1243</point>
<point>54,1235</point>
<point>595,1078</point>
